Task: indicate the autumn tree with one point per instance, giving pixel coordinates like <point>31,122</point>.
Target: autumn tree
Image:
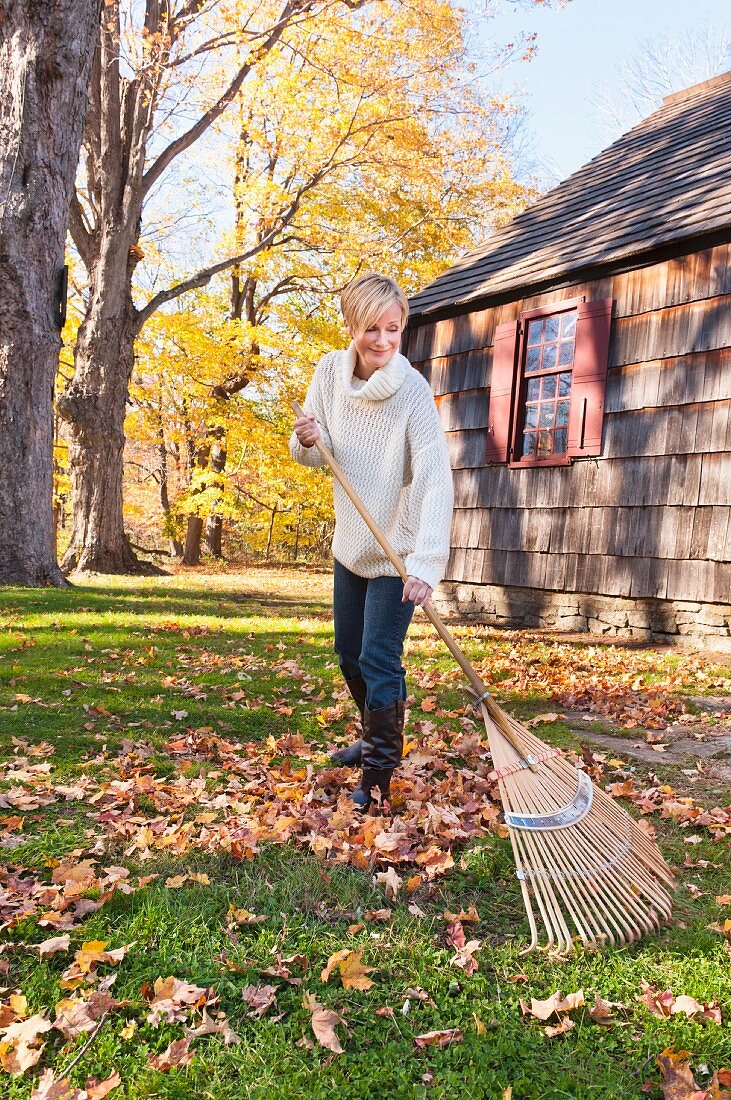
<point>183,357</point>
<point>395,159</point>
<point>147,53</point>
<point>46,50</point>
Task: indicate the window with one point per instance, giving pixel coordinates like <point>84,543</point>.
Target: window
<point>547,387</point>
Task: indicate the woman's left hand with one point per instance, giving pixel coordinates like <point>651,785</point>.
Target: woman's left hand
<point>417,591</point>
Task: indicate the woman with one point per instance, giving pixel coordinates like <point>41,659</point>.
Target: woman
<point>377,416</point>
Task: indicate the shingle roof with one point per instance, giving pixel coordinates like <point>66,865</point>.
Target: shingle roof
<point>667,179</point>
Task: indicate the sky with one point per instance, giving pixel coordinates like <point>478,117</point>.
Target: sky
<point>580,51</point>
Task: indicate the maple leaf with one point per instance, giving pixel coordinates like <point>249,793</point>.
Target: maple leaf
<point>439,1038</point>
<point>175,1055</point>
<point>470,914</point>
<point>323,1022</point>
<point>553,1005</point>
<point>19,1043</point>
<point>566,1024</point>
<point>54,944</point>
<point>172,1000</point>
<point>74,1016</point>
<point>97,1090</point>
<point>601,1011</point>
<point>215,1027</point>
<point>15,1009</point>
<point>243,916</point>
<point>390,881</point>
<point>259,998</point>
<point>352,972</point>
<point>464,957</point>
<point>678,1081</point>
<point>48,1088</point>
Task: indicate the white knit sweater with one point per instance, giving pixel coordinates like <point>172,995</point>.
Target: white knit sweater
<point>386,435</point>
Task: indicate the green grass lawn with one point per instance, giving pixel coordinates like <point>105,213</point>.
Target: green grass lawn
<point>158,728</point>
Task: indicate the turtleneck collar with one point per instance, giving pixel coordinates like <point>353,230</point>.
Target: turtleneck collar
<point>382,383</point>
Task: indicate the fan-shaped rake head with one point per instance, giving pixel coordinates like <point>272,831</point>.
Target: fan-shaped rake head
<point>586,869</point>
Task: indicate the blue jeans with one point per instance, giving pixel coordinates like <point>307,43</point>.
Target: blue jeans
<point>370,627</point>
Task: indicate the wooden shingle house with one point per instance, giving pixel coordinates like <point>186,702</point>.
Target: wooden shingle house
<point>581,362</point>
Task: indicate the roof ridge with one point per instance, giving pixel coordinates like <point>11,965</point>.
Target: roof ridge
<point>694,89</point>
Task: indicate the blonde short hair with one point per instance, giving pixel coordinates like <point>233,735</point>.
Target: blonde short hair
<point>364,300</point>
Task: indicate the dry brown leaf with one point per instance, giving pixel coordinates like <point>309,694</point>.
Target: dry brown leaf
<point>378,914</point>
<point>215,1027</point>
<point>601,1012</point>
<point>324,1021</point>
<point>439,1038</point>
<point>243,916</point>
<point>678,1081</point>
<point>259,998</point>
<point>465,957</point>
<point>97,1090</point>
<point>48,1088</point>
<point>566,1024</point>
<point>20,1045</point>
<point>465,916</point>
<point>177,1054</point>
<point>723,899</point>
<point>54,944</point>
<point>390,881</point>
<point>15,1009</point>
<point>75,1016</point>
<point>352,972</point>
<point>539,719</point>
<point>172,1000</point>
<point>556,1003</point>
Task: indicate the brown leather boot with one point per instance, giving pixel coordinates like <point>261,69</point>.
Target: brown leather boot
<point>351,754</point>
<point>382,748</point>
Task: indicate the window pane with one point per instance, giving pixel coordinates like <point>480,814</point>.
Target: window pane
<point>560,441</point>
<point>531,416</point>
<point>533,390</point>
<point>562,412</point>
<point>566,353</point>
<point>564,385</point>
<point>533,360</point>
<point>552,324</point>
<point>535,332</point>
<point>529,443</point>
<point>568,324</point>
<point>549,356</point>
<point>545,420</point>
<point>549,386</point>
<point>545,443</point>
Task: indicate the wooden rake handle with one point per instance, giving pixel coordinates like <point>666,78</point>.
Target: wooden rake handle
<point>476,683</point>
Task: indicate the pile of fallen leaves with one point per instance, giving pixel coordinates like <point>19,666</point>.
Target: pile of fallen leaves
<point>612,682</point>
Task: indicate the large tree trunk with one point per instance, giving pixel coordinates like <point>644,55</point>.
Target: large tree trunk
<point>214,523</point>
<point>46,50</point>
<point>94,407</point>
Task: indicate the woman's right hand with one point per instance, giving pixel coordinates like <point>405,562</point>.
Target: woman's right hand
<point>306,430</point>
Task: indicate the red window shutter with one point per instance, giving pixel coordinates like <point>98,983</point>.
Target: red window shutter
<point>502,388</point>
<point>591,356</point>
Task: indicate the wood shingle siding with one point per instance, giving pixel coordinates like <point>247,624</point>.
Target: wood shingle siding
<point>645,227</point>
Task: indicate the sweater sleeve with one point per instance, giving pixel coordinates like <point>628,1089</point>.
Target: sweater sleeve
<point>315,404</point>
<point>432,494</point>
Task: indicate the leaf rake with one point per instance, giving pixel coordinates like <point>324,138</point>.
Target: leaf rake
<point>582,861</point>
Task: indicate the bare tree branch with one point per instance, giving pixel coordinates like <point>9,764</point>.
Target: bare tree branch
<point>180,144</point>
<point>80,232</point>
